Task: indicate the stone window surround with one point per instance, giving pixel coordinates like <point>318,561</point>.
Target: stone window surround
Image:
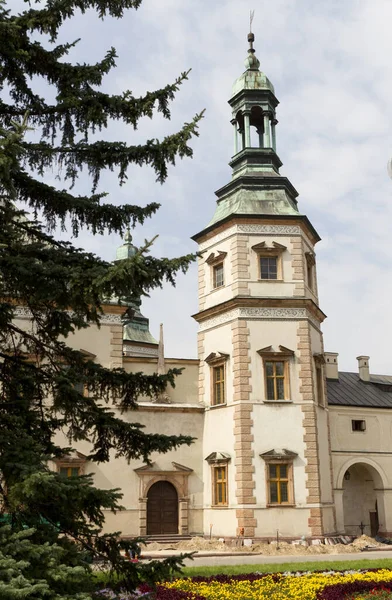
<point>214,261</point>
<point>279,457</point>
<point>78,460</point>
<point>284,355</point>
<point>276,251</point>
<point>213,360</point>
<point>219,460</point>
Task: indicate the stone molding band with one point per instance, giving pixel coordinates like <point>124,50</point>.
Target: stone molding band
<point>137,350</point>
<point>285,314</point>
<point>251,229</point>
<point>22,312</point>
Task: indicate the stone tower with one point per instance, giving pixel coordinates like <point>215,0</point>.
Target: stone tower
<point>266,442</point>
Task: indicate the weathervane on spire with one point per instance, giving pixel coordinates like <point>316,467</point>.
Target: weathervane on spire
<point>251,17</point>
<point>251,62</point>
<point>251,36</point>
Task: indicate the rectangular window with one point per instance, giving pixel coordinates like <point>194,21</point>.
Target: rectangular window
<point>278,483</point>
<point>220,485</point>
<point>309,271</point>
<point>268,267</point>
<point>319,384</point>
<point>275,376</point>
<point>218,276</point>
<point>69,471</point>
<point>358,425</point>
<point>218,385</point>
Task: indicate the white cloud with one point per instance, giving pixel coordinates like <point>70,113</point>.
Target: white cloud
<point>330,64</point>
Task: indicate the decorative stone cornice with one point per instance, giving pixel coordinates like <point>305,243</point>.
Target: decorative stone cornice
<point>269,351</point>
<point>216,259</point>
<point>252,229</point>
<point>216,358</point>
<point>22,312</point>
<point>277,454</point>
<point>217,458</point>
<point>310,258</point>
<point>268,314</point>
<point>319,359</point>
<point>262,248</point>
<point>260,308</point>
<point>140,350</point>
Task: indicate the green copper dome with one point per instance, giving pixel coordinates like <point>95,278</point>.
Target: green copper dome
<point>253,78</point>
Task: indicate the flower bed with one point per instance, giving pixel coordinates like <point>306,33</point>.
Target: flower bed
<point>332,585</point>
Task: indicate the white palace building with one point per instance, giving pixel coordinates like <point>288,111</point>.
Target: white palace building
<point>284,440</point>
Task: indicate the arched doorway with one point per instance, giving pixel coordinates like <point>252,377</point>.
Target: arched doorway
<point>362,486</point>
<point>162,509</point>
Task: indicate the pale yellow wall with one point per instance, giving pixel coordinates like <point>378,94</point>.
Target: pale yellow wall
<point>119,474</point>
<point>186,384</point>
<point>95,340</point>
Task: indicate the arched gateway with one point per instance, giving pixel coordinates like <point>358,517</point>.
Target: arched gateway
<point>363,499</point>
<point>162,509</point>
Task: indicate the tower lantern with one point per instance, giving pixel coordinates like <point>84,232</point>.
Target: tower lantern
<point>253,104</point>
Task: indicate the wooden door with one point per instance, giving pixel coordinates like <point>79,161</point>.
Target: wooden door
<point>162,509</point>
<point>373,515</point>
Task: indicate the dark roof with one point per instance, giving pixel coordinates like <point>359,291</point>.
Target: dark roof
<point>349,390</point>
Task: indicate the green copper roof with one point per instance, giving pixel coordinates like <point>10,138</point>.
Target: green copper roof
<point>132,332</point>
<point>252,80</point>
<point>254,201</point>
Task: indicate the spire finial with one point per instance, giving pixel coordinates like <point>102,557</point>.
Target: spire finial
<point>127,236</point>
<point>251,62</point>
<point>161,353</point>
<point>161,370</point>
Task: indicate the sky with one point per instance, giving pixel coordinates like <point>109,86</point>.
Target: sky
<point>330,64</point>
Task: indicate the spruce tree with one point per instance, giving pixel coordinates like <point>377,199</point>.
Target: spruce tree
<point>46,517</point>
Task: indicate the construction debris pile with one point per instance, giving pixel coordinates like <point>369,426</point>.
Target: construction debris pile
<point>332,545</point>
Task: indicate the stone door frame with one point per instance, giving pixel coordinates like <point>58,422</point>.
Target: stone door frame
<point>178,477</point>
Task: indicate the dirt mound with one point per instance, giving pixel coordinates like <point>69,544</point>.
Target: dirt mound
<point>199,544</point>
<point>364,541</point>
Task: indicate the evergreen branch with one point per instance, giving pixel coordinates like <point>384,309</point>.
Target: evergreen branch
<point>101,155</point>
<point>84,109</point>
<point>83,211</point>
<point>50,19</point>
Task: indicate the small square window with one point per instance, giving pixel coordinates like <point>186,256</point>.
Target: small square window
<point>357,425</point>
<point>268,267</point>
<point>69,471</point>
<point>218,276</point>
